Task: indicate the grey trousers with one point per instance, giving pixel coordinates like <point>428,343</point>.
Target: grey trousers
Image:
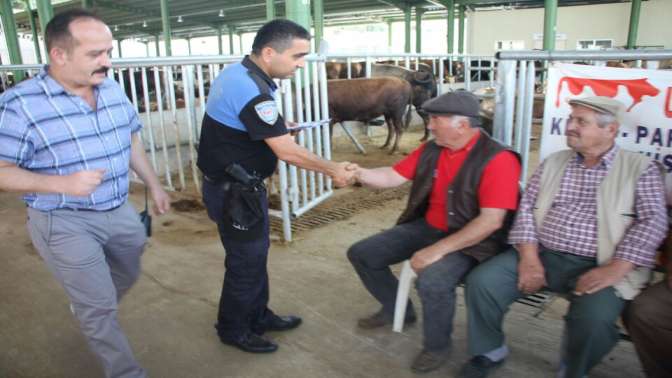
<point>650,325</point>
<point>436,284</point>
<point>95,256</point>
<point>590,323</point>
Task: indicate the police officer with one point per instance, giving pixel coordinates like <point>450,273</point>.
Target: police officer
<point>242,129</point>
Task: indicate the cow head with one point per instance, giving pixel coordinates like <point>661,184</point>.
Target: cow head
<point>422,77</point>
<point>425,80</point>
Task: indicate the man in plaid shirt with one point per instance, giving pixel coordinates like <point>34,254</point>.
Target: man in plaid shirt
<point>68,139</point>
<point>588,226</point>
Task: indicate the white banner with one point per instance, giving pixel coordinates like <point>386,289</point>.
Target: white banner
<point>647,125</point>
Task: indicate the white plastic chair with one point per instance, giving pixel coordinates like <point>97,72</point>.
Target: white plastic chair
<point>405,278</point>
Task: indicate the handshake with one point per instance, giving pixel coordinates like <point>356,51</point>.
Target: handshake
<point>345,173</point>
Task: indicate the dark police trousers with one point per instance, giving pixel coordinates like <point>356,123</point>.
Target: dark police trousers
<point>244,299</point>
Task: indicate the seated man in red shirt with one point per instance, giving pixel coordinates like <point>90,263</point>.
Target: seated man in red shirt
<point>464,193</point>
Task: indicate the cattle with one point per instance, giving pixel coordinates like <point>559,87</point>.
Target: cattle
<point>365,99</point>
<point>422,83</point>
<point>339,70</point>
<point>139,90</point>
<point>453,71</point>
<point>621,63</point>
<point>665,64</point>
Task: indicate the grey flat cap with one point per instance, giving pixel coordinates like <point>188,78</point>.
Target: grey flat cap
<point>601,104</point>
<point>454,103</point>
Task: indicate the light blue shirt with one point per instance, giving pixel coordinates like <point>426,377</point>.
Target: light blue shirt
<point>48,131</point>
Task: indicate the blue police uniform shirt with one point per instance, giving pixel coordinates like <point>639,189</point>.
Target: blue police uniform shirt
<point>241,112</point>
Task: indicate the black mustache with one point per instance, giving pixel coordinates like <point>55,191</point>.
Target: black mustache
<point>102,70</point>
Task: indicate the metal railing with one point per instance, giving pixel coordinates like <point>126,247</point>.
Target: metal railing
<point>516,78</point>
<point>476,68</point>
<point>169,95</point>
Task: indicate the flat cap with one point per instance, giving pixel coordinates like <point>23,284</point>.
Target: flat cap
<point>601,104</point>
<point>454,103</point>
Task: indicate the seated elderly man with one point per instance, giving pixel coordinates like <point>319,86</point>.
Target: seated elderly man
<point>465,185</point>
<point>588,226</point>
<point>650,322</point>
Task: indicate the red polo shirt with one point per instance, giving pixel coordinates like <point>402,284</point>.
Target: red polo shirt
<point>498,188</point>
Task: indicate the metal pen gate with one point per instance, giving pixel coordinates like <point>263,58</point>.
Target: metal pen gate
<point>515,88</point>
<point>477,68</point>
<point>169,95</point>
<point>304,100</point>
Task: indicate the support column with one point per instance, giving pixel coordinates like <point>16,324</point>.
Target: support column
<point>240,43</point>
<point>188,46</point>
<point>165,21</point>
<point>407,28</point>
<point>550,18</point>
<point>450,32</point>
<point>11,38</point>
<point>45,12</point>
<point>270,10</point>
<point>231,31</point>
<point>389,34</point>
<point>87,4</point>
<point>119,47</point>
<point>460,35</point>
<point>418,29</point>
<point>299,12</point>
<point>219,40</point>
<point>635,10</point>
<point>33,28</point>
<point>318,22</point>
<point>146,48</point>
<point>158,49</point>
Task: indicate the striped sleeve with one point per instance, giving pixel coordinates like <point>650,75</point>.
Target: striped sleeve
<point>16,146</point>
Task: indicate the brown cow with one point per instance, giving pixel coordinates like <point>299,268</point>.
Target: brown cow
<point>339,70</point>
<point>365,99</point>
<point>422,82</point>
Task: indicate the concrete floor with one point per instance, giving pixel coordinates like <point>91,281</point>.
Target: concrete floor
<point>169,314</point>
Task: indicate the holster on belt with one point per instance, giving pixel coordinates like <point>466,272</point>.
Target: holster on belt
<point>244,194</point>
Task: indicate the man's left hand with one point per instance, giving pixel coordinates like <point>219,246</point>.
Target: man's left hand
<point>161,201</point>
<point>602,277</point>
<point>424,258</point>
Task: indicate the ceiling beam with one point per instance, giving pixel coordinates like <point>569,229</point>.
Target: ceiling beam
<point>394,3</point>
<point>141,11</point>
<point>127,8</point>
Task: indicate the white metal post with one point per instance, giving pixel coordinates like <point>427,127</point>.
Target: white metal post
<point>527,123</point>
<point>504,93</point>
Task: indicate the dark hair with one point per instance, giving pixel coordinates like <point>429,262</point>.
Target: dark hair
<point>58,28</point>
<point>278,34</point>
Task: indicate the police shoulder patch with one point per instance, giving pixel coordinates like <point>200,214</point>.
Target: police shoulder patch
<point>267,111</point>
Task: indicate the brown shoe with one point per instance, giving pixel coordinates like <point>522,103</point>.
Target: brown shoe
<point>380,319</point>
<point>427,360</point>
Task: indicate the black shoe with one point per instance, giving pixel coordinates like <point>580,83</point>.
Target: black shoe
<point>251,342</point>
<point>380,319</point>
<point>282,323</point>
<point>478,367</point>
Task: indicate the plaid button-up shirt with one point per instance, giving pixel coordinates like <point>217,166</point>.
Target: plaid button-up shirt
<point>46,130</point>
<point>571,223</point>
